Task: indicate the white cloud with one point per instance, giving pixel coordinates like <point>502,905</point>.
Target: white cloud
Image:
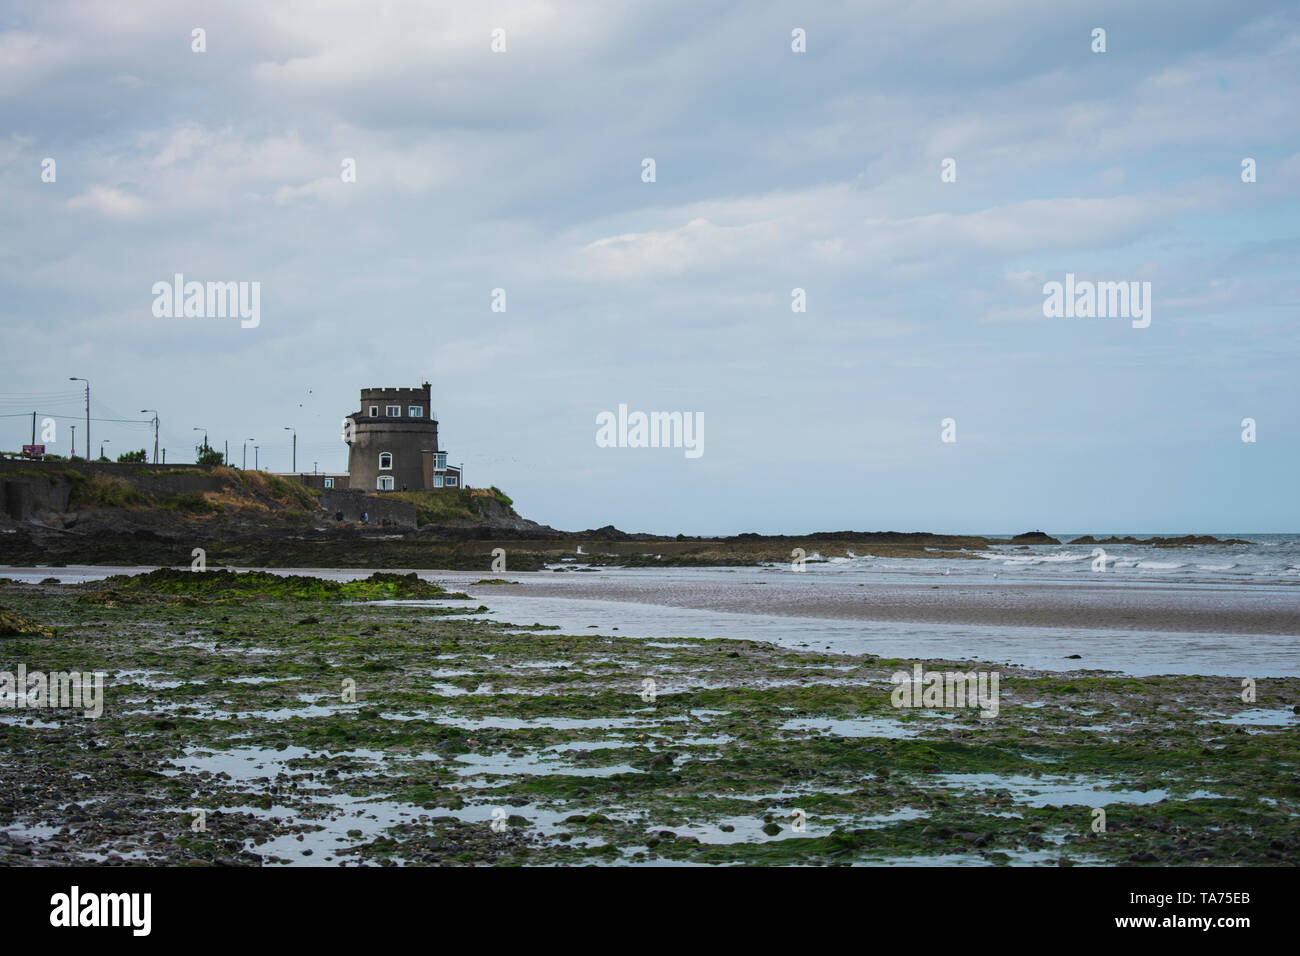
<point>107,201</point>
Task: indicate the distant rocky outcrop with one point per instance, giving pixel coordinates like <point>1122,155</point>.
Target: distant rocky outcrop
<point>1186,541</point>
<point>1034,537</point>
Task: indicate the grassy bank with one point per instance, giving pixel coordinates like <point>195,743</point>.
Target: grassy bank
<point>444,506</point>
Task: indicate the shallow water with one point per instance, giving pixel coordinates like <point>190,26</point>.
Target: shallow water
<point>572,602</point>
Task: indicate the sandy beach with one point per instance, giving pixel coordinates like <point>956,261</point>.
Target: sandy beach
<point>1189,609</point>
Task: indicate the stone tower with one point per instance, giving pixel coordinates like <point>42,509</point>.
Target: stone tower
<point>393,443</point>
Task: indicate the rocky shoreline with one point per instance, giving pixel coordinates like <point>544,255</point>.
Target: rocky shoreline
<point>229,736</point>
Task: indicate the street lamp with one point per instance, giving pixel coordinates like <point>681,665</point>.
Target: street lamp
<point>155,431</point>
<point>256,449</point>
<point>204,429</point>
<point>290,428</point>
<point>74,443</point>
<point>73,378</point>
<point>246,441</point>
<point>102,443</point>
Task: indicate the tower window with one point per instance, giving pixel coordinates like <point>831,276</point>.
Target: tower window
<point>374,411</point>
<point>385,461</point>
<point>385,483</point>
<point>394,411</point>
<point>329,482</point>
<point>415,411</point>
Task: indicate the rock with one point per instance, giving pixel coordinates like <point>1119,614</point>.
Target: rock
<point>13,624</point>
<point>1034,537</point>
<point>771,829</point>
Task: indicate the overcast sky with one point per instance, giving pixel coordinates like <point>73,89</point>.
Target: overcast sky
<point>774,170</point>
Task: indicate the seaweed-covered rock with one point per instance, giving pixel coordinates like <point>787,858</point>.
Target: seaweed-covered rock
<point>13,624</point>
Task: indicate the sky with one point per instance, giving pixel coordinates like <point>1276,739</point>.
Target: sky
<point>523,169</point>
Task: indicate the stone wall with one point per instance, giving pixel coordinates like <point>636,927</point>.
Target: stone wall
<point>317,480</point>
<point>383,512</point>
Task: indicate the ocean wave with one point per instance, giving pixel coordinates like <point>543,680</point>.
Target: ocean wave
<point>1030,560</point>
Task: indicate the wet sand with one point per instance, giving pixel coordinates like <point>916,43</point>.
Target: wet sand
<point>1136,607</point>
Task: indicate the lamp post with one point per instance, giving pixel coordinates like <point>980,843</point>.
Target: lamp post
<point>246,441</point>
<point>102,443</point>
<point>155,431</point>
<point>74,442</point>
<point>290,428</point>
<point>204,429</point>
<point>74,378</point>
<point>256,449</point>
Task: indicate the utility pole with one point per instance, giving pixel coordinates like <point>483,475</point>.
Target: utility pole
<point>256,449</point>
<point>246,441</point>
<point>226,457</point>
<point>155,431</point>
<point>33,428</point>
<point>290,428</point>
<point>74,378</point>
<point>74,442</point>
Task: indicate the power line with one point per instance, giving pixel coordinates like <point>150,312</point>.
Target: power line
<point>82,418</point>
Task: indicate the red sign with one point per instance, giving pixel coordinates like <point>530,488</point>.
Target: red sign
<point>33,451</point>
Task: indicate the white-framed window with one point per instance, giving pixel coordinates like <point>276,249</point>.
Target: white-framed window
<point>439,461</point>
<point>452,481</point>
<point>393,411</point>
<point>437,481</point>
<point>415,411</point>
<point>385,461</point>
<point>374,411</point>
<point>329,482</point>
<point>385,483</point>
